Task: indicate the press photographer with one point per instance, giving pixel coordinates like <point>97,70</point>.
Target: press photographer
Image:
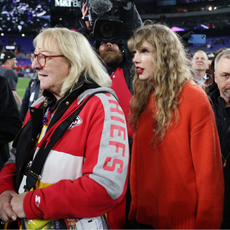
<point>110,24</point>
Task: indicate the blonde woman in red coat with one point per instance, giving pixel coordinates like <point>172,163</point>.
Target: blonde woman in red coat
<point>176,170</point>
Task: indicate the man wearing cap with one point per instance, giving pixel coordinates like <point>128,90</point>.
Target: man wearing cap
<point>7,70</point>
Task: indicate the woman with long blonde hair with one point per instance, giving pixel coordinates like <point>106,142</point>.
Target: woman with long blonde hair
<point>176,172</point>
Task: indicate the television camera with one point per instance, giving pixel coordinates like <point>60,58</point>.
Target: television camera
<point>104,18</point>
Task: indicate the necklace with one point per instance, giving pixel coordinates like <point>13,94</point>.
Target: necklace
<point>225,159</point>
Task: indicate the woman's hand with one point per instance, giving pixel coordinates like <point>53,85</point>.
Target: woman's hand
<point>7,214</point>
<point>17,204</point>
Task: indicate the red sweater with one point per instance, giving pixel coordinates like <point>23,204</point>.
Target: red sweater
<point>179,184</point>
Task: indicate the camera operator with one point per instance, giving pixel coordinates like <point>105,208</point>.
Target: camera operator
<point>118,62</point>
<point>115,55</point>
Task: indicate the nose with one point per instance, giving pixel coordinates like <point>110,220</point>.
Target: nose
<point>35,64</point>
<point>108,44</point>
<point>228,80</point>
<point>136,58</point>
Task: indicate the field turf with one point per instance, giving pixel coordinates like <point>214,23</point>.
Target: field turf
<point>22,85</point>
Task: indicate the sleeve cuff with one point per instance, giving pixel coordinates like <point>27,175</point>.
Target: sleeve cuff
<point>30,210</point>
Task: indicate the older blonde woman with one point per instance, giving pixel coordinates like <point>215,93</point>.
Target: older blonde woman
<point>85,172</point>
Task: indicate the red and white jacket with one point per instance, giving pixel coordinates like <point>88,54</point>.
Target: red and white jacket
<point>85,173</point>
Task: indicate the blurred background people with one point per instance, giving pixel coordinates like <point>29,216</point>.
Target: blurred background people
<point>176,173</point>
<point>31,95</point>
<point>7,70</point>
<point>210,58</point>
<point>200,66</point>
<point>220,100</point>
<point>85,173</point>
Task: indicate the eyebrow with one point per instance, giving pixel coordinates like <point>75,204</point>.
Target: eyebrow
<point>145,47</point>
<point>228,73</point>
<point>43,51</point>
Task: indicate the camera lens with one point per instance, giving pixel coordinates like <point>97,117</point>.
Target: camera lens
<point>107,29</point>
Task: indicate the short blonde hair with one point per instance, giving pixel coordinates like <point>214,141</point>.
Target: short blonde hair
<point>80,54</point>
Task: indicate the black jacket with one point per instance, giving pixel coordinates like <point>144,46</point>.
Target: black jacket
<point>222,116</point>
<point>33,89</point>
<point>10,122</point>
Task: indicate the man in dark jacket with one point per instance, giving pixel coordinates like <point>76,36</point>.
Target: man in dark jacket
<point>30,96</point>
<point>10,122</point>
<point>220,97</point>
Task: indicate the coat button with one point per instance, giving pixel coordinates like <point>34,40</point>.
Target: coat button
<point>67,103</point>
<point>32,139</point>
<point>32,110</point>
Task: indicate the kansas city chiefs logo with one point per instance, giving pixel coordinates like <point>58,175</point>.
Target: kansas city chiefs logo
<point>77,122</point>
<point>37,200</point>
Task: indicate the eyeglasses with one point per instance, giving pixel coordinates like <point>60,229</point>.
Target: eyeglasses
<point>42,58</point>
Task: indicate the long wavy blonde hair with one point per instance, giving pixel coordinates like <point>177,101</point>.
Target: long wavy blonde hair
<point>172,71</point>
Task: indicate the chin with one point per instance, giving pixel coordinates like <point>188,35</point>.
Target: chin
<point>143,78</point>
<point>43,87</point>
